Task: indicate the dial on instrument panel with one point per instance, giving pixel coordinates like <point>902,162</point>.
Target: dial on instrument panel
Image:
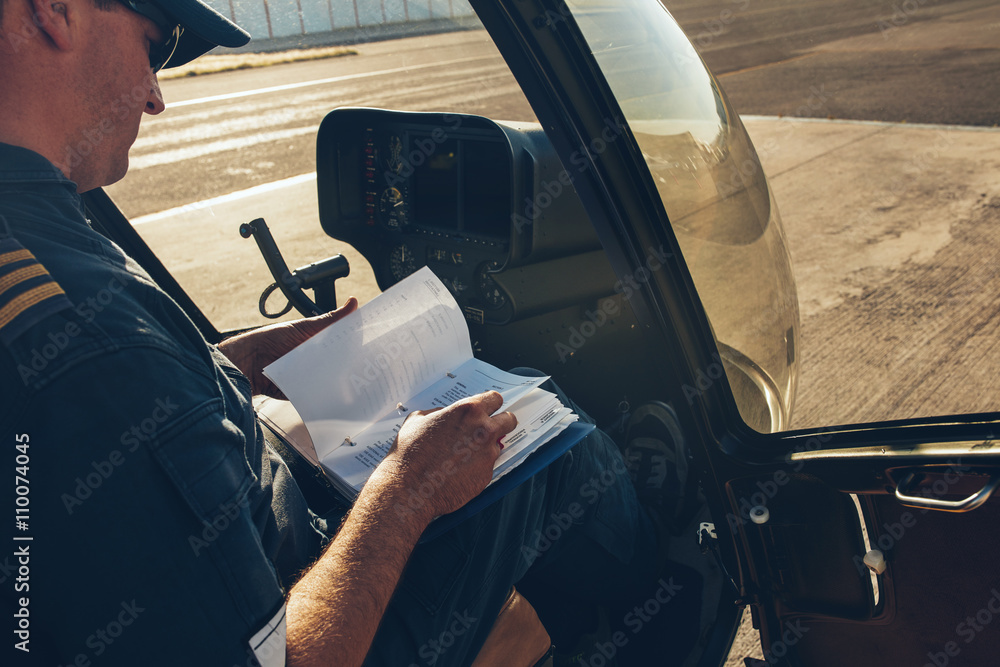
<point>402,262</point>
<point>392,207</point>
<point>394,150</point>
<point>488,288</point>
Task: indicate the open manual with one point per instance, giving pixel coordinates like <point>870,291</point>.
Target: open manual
<point>354,383</point>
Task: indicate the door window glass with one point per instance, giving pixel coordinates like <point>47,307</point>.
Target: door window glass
<point>715,194</point>
<point>875,125</point>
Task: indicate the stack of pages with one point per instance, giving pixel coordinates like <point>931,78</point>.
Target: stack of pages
<point>354,384</point>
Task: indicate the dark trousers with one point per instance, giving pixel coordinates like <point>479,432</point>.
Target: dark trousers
<point>576,529</point>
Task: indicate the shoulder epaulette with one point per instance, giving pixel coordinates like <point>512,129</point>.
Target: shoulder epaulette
<point>28,294</point>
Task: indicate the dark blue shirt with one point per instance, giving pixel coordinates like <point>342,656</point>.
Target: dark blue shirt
<point>162,528</point>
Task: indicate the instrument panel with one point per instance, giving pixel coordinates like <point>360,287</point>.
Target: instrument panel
<point>468,196</point>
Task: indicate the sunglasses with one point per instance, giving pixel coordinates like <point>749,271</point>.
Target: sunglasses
<point>159,54</point>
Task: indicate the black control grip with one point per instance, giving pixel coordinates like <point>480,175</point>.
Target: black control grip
<point>290,285</point>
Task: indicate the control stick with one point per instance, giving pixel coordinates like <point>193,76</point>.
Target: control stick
<point>319,276</point>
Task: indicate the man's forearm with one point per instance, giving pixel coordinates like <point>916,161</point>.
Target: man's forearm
<point>335,609</point>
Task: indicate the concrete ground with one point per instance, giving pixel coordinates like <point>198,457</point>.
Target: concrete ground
<point>893,231</point>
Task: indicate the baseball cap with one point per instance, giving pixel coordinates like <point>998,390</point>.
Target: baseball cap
<point>204,29</point>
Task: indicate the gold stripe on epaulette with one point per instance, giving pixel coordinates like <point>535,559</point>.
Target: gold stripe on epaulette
<point>15,256</point>
<point>24,301</point>
<point>19,276</point>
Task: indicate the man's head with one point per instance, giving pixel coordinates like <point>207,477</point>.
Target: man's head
<point>77,75</point>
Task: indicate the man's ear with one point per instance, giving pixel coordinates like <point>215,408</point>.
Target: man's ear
<point>55,18</point>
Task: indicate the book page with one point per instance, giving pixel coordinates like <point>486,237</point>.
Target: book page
<point>358,369</point>
<point>547,429</point>
<point>533,412</point>
<point>282,418</point>
<point>355,462</point>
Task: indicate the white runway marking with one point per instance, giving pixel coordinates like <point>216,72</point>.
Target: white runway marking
<point>320,82</point>
<point>223,199</point>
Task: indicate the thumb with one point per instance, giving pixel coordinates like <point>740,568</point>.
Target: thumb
<point>314,325</point>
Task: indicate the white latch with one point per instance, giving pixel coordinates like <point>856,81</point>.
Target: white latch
<point>875,561</point>
<point>709,528</point>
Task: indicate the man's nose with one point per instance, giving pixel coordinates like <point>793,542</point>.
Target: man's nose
<point>154,104</point>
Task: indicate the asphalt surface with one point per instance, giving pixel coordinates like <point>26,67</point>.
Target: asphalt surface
<point>914,61</point>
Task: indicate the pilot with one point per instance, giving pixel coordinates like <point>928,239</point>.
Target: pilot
<point>149,523</point>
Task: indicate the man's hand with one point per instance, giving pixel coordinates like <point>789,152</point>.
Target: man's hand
<point>335,609</point>
<point>253,350</point>
<point>446,456</point>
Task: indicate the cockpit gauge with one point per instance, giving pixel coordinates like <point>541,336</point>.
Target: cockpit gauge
<point>394,153</point>
<point>402,262</point>
<point>392,208</point>
<point>455,285</point>
<point>488,288</point>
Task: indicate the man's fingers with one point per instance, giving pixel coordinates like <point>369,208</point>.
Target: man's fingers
<point>489,401</point>
<point>505,422</point>
<point>322,321</point>
<point>423,413</point>
<point>349,307</point>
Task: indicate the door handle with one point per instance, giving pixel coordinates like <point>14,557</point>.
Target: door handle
<point>903,491</point>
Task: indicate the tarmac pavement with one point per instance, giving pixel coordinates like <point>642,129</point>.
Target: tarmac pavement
<point>893,231</point>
